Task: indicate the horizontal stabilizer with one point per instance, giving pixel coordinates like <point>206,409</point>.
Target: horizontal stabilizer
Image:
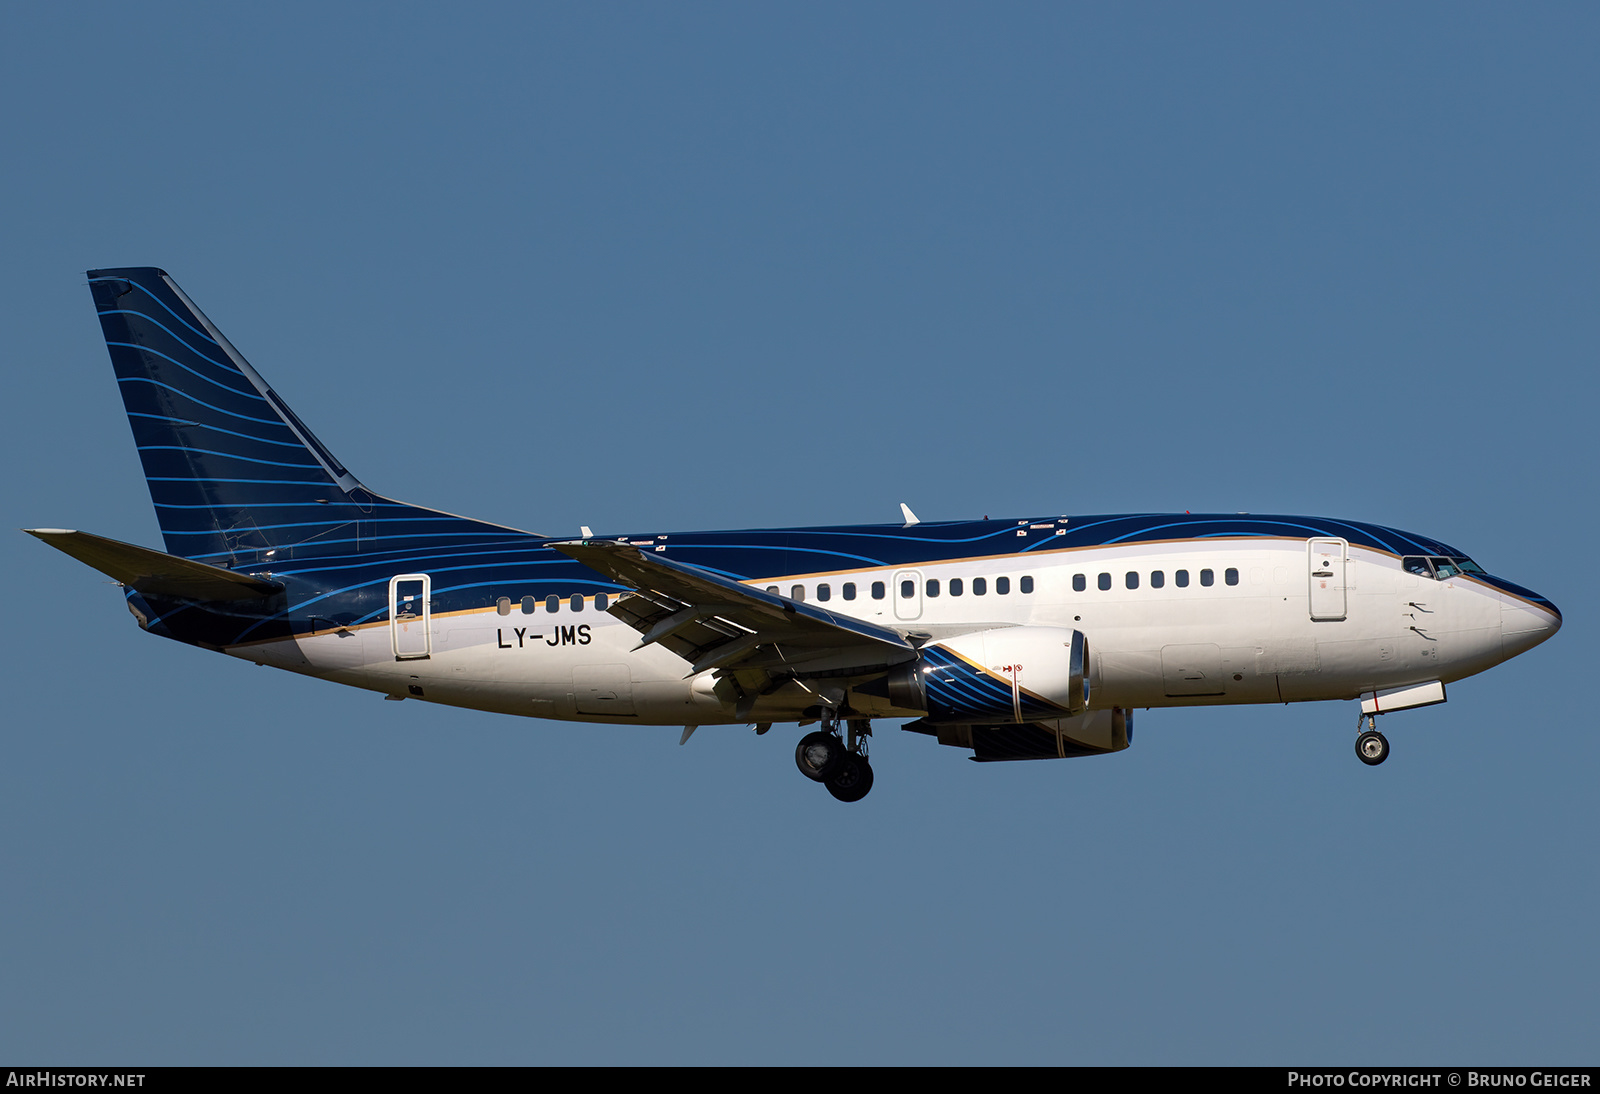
<point>153,572</point>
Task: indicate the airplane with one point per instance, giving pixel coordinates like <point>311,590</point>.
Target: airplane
<point>1017,639</point>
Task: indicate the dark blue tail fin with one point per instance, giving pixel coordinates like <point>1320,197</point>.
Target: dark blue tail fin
<point>232,472</point>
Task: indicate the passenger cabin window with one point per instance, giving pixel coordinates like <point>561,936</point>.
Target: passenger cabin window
<point>503,605</point>
<point>1079,583</point>
<point>552,603</point>
<point>849,590</point>
<point>1181,579</point>
<point>1104,582</point>
<point>980,586</point>
<point>1207,578</point>
<point>824,591</point>
<point>575,602</point>
<point>529,604</point>
<point>773,589</point>
<point>1131,579</point>
<point>908,589</point>
<point>797,593</point>
<point>933,586</point>
<point>1231,576</point>
<point>1025,585</point>
<point>1157,579</point>
<point>1002,586</point>
<point>877,590</point>
<point>601,602</point>
<point>956,587</point>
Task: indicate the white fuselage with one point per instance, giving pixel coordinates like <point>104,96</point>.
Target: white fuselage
<point>1182,623</point>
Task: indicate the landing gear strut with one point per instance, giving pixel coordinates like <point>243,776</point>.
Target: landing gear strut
<point>1372,748</point>
<point>825,758</point>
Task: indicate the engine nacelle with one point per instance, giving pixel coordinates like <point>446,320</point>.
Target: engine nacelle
<point>1092,733</point>
<point>1010,674</point>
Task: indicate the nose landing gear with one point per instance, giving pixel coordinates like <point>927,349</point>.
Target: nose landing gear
<point>825,758</point>
<point>1372,747</point>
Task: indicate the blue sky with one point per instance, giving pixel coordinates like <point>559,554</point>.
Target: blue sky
<point>652,267</point>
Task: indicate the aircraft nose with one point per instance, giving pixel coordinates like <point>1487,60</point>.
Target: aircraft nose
<point>1523,626</point>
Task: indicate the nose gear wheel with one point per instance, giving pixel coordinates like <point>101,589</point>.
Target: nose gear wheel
<point>1372,747</point>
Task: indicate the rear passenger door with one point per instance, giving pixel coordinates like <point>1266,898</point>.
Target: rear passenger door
<point>410,616</point>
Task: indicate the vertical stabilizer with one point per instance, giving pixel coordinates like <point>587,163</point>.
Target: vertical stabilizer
<point>235,476</point>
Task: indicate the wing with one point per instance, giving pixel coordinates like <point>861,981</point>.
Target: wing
<point>716,623</point>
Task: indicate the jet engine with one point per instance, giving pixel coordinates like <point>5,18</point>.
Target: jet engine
<point>1009,674</point>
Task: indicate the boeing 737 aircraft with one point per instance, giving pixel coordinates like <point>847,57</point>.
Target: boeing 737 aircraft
<point>1018,639</point>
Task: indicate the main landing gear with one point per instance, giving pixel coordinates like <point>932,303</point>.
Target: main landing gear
<point>843,768</point>
<point>1372,747</point>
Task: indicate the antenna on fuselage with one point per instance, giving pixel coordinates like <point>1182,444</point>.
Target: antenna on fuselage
<point>911,518</point>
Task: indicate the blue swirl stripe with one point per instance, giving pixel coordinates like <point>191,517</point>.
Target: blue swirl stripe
<point>139,286</point>
<point>206,428</point>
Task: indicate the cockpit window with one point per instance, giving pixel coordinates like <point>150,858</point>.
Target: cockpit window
<point>1439,568</point>
<point>1415,564</point>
